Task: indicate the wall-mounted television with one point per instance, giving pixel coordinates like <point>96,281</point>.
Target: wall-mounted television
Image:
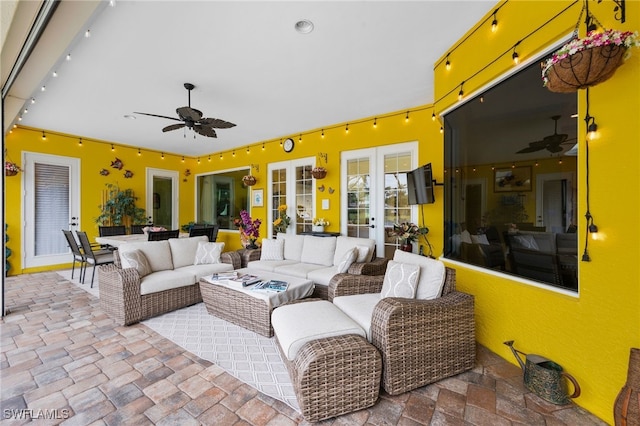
<point>420,185</point>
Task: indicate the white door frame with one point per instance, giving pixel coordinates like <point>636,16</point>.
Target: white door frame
<point>540,180</point>
<point>29,259</point>
<point>174,176</point>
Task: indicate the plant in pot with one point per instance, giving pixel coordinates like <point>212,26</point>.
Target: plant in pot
<point>119,208</point>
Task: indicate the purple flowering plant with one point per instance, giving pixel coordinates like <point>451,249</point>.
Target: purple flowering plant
<point>251,228</point>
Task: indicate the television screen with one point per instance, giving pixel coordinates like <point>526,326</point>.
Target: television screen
<point>420,185</point>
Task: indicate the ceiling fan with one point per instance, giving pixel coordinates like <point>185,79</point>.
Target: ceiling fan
<point>551,143</point>
<point>192,119</point>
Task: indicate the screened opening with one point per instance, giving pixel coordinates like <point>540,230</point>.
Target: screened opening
<point>511,181</point>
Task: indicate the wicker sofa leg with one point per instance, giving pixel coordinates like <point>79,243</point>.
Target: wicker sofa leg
<point>334,376</point>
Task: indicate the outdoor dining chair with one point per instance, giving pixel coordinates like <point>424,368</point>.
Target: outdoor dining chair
<point>211,231</point>
<point>78,256</point>
<point>94,258</point>
<point>163,235</point>
<point>106,231</point>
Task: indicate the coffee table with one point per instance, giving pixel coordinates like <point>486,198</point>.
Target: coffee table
<point>249,308</point>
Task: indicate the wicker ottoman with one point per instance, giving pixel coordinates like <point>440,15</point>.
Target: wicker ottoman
<point>333,369</point>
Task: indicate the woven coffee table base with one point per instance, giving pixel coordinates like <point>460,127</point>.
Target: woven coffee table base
<point>334,376</point>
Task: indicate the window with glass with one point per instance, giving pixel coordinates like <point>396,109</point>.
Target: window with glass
<point>220,197</point>
<point>511,181</point>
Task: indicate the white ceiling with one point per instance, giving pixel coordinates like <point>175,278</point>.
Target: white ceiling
<point>248,63</point>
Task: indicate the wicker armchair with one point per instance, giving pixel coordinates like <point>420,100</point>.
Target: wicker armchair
<point>421,341</point>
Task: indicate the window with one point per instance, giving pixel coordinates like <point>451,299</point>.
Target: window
<point>511,181</point>
<point>220,197</point>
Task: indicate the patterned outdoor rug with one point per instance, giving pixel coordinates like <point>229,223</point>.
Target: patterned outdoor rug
<point>248,356</point>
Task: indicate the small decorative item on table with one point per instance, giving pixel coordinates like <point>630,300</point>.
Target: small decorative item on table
<point>406,233</point>
<point>318,224</point>
<point>249,230</point>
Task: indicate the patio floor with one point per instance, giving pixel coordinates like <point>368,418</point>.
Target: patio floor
<point>62,357</point>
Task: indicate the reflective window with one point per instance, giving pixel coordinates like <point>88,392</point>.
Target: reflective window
<point>220,197</point>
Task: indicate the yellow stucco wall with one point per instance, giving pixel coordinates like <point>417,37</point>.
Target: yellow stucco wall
<point>589,335</point>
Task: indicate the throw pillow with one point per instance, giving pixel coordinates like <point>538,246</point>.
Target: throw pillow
<point>363,254</point>
<point>208,253</point>
<point>526,241</point>
<point>400,280</point>
<point>272,249</point>
<point>137,260</point>
<point>480,239</point>
<point>465,237</point>
<point>349,257</point>
<point>432,274</point>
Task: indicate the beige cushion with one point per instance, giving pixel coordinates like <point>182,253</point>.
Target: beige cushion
<point>432,274</point>
<point>165,280</point>
<point>292,246</point>
<point>318,250</point>
<point>137,260</point>
<point>208,253</point>
<point>348,258</point>
<point>269,265</point>
<point>299,323</point>
<point>272,249</point>
<point>201,271</point>
<point>298,269</point>
<point>400,280</point>
<point>183,250</point>
<point>158,253</point>
<point>480,239</point>
<point>323,275</point>
<point>344,244</point>
<point>359,307</point>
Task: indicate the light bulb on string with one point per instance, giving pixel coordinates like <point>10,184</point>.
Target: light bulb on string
<point>406,117</point>
<point>433,116</point>
<point>44,137</point>
<point>494,23</point>
<point>139,153</point>
<point>375,122</point>
<point>447,65</point>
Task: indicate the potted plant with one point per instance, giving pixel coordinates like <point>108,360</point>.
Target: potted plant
<point>119,208</point>
<point>318,224</point>
<point>11,168</point>
<point>249,230</point>
<point>407,233</point>
<point>282,222</point>
<point>587,61</point>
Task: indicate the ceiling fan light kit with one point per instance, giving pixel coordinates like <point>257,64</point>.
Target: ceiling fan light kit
<point>192,119</point>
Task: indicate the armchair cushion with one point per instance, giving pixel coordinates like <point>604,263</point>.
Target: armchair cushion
<point>208,253</point>
<point>400,280</point>
<point>432,274</point>
<point>137,260</point>
<point>359,307</point>
<point>272,249</point>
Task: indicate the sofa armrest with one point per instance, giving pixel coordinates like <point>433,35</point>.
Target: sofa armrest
<point>377,266</point>
<point>120,293</point>
<point>348,284</point>
<point>232,258</point>
<point>422,341</point>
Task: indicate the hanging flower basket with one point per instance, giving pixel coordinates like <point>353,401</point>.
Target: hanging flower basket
<point>319,172</point>
<point>11,169</point>
<point>249,180</point>
<point>585,62</point>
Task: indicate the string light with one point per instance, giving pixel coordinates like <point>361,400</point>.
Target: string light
<point>112,148</point>
<point>54,74</point>
<point>375,122</point>
<point>263,146</point>
<point>433,116</point>
<point>322,135</point>
<point>346,129</point>
<point>221,156</point>
<point>80,142</point>
<point>209,157</point>
<point>494,23</point>
<point>461,92</point>
<point>198,160</point>
<point>183,158</point>
<point>441,129</point>
<point>68,58</point>
<point>248,151</point>
<point>234,153</point>
<point>44,137</point>
<point>162,156</point>
<point>514,55</point>
<point>33,100</point>
<point>448,63</point>
<point>43,88</point>
<point>406,117</point>
<point>87,34</point>
<point>300,138</point>
<point>139,153</point>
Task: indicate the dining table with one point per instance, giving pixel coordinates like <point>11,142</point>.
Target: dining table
<point>117,240</point>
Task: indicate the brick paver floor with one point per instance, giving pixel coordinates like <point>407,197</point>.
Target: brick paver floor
<point>64,361</point>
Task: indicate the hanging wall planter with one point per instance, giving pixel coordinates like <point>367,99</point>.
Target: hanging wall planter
<point>585,62</point>
<point>249,180</point>
<point>319,172</point>
<point>11,169</point>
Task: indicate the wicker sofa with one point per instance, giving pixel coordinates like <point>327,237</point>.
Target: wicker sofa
<point>317,258</point>
<point>421,341</point>
<point>171,281</point>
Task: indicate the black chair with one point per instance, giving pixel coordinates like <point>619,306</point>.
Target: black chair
<point>137,229</point>
<point>163,235</point>
<point>78,256</point>
<point>536,265</point>
<point>210,231</point>
<point>106,231</point>
<point>94,258</point>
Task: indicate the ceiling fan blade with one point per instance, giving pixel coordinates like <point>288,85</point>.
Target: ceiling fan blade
<point>173,127</point>
<point>188,113</point>
<point>156,115</point>
<point>531,148</point>
<point>205,131</point>
<point>554,148</point>
<point>216,123</point>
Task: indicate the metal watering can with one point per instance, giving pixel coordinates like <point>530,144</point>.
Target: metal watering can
<point>545,378</point>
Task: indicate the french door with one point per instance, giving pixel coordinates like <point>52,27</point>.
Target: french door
<point>290,183</point>
<point>51,203</point>
<point>374,193</point>
<point>162,197</point>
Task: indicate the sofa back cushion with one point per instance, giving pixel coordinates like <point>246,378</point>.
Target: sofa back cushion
<point>292,246</point>
<point>272,249</point>
<point>158,253</point>
<point>183,250</point>
<point>318,250</point>
<point>365,247</point>
<point>432,274</point>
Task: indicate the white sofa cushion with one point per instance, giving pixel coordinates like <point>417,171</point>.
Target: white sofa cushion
<point>183,250</point>
<point>137,260</point>
<point>432,274</point>
<point>272,249</point>
<point>269,265</point>
<point>208,253</point>
<point>292,246</point>
<point>359,307</point>
<point>201,271</point>
<point>344,244</point>
<point>318,250</point>
<point>298,269</point>
<point>165,280</point>
<point>158,253</point>
<point>323,275</point>
<point>400,280</point>
<point>299,323</point>
<point>349,257</point>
